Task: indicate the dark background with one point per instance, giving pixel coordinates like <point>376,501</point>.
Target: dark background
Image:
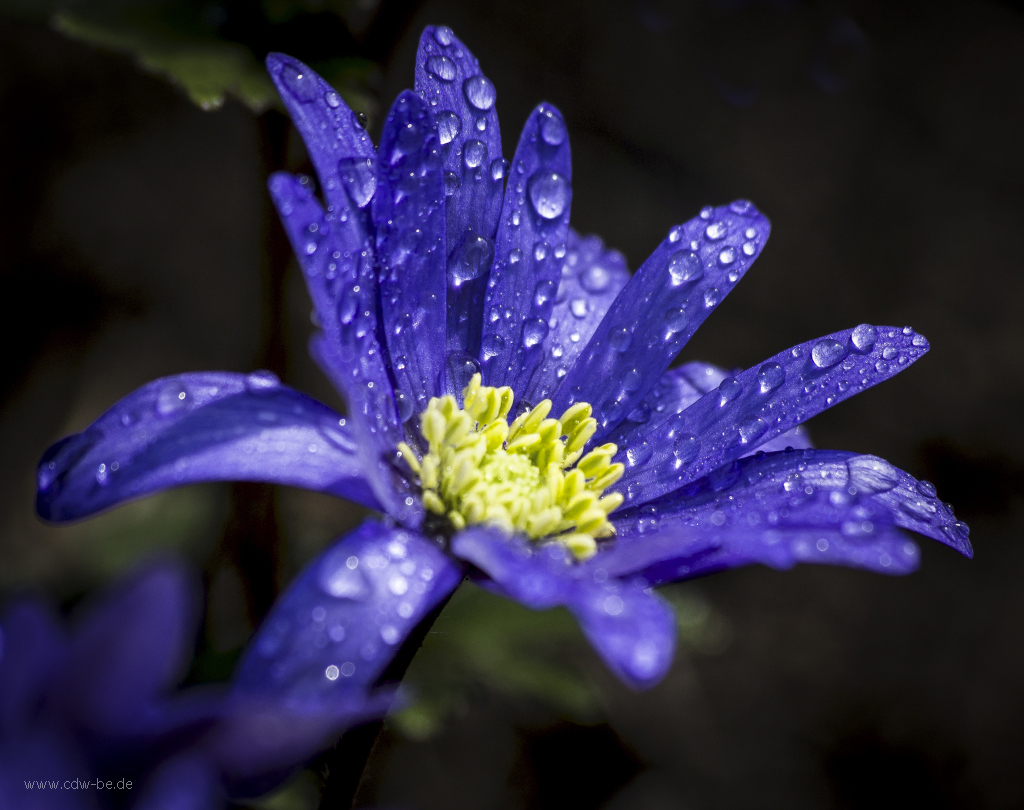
<point>884,141</point>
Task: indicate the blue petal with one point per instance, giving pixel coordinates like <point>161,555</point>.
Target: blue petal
<point>665,301</point>
<point>591,277</point>
<point>676,390</point>
<point>779,509</point>
<point>32,645</point>
<point>539,578</point>
<point>187,782</point>
<point>208,426</point>
<point>529,250</point>
<point>128,650</point>
<point>44,752</point>
<point>333,632</point>
<point>340,274</point>
<point>633,630</point>
<point>409,213</point>
<point>339,147</point>
<point>448,76</point>
<point>760,403</point>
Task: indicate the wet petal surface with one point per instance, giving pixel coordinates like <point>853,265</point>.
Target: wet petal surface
<point>340,274</point>
<point>759,404</point>
<point>660,308</point>
<point>201,427</point>
<point>591,277</point>
<point>462,99</point>
<point>823,506</point>
<point>335,139</point>
<point>529,250</point>
<point>333,632</point>
<point>408,211</point>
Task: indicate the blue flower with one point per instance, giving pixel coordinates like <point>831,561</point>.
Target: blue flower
<point>98,704</point>
<point>451,293</point>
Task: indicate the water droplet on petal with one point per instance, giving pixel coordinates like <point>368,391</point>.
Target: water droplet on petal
<point>499,168</point>
<point>405,406</point>
<point>872,474</point>
<point>360,119</point>
<point>685,449</point>
<point>443,35</point>
<point>471,261</point>
<point>359,176</point>
<point>549,193</point>
<point>620,339</point>
<point>711,297</point>
<point>474,153</point>
<point>262,380</point>
<point>479,92</point>
<point>579,307</point>
<point>492,345</point>
<point>449,125</point>
<point>534,331</point>
<point>452,183</point>
<point>173,398</point>
<point>675,321</point>
<point>441,67</point>
<point>459,370</point>
<point>826,353</point>
<point>595,278</point>
<point>726,257</point>
<point>685,266</point>
<point>332,99</point>
<point>729,389</point>
<point>544,293</point>
<point>340,581</point>
<point>638,453</point>
<point>716,230</point>
<point>770,376</point>
<point>752,429</point>
<point>863,337</point>
<point>301,84</point>
<point>552,129</point>
<point>741,206</point>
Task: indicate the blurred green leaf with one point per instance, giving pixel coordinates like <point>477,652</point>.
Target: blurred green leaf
<point>483,640</point>
<point>207,69</point>
<point>180,41</point>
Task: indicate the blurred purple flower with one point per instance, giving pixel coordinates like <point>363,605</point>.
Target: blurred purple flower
<point>98,704</point>
<point>432,259</point>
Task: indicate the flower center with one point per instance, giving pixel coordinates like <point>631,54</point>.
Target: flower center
<point>520,477</point>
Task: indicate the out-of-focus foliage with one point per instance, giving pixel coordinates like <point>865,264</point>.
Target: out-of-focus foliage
<point>483,641</point>
<point>191,44</point>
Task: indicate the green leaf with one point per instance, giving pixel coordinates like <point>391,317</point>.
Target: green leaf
<point>206,68</point>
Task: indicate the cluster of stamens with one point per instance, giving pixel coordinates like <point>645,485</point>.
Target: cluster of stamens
<point>520,477</point>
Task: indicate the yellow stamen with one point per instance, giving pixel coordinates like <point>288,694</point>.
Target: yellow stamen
<point>520,477</point>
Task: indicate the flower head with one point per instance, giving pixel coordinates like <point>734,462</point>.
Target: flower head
<point>452,296</point>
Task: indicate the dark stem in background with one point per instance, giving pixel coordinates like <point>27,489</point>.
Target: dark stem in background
<point>343,765</point>
<point>252,539</point>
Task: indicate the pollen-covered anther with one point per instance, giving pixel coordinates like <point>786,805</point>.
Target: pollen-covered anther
<point>479,469</point>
